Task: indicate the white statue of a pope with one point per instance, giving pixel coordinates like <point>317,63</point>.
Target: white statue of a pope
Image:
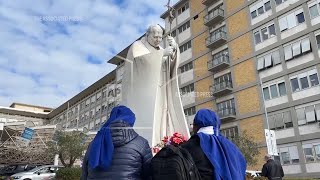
<point>150,87</point>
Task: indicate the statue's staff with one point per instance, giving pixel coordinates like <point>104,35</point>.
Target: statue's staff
<point>171,16</point>
<point>169,68</point>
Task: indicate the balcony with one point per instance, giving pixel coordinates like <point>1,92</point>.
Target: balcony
<point>208,2</point>
<point>213,17</point>
<point>219,63</point>
<point>221,89</point>
<point>227,114</point>
<point>216,39</point>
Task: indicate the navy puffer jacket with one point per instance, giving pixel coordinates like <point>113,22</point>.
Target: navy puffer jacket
<point>131,157</point>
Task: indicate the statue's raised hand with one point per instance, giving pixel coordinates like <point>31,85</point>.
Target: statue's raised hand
<point>172,42</point>
<point>168,51</point>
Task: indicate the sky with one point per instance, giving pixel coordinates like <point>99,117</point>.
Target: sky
<point>53,49</point>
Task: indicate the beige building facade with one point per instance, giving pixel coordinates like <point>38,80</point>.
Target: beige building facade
<point>256,64</point>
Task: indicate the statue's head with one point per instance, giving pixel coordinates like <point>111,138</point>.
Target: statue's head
<point>154,35</point>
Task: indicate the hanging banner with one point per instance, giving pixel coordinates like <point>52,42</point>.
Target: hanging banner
<point>1,126</point>
<point>271,142</point>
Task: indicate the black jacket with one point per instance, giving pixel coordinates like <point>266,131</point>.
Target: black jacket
<point>131,157</point>
<point>272,170</point>
<point>202,162</point>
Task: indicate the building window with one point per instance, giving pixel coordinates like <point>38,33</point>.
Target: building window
<point>184,27</point>
<point>297,49</point>
<point>274,91</point>
<point>264,34</point>
<point>280,121</point>
<point>190,111</point>
<point>318,40</point>
<point>186,67</point>
<point>311,152</point>
<point>230,133</point>
<point>185,47</point>
<point>226,108</point>
<point>266,93</point>
<point>183,8</point>
<point>291,20</point>
<point>304,81</point>
<point>174,33</point>
<point>314,81</point>
<point>222,56</point>
<point>294,84</point>
<point>289,155</point>
<point>223,81</point>
<point>269,60</point>
<point>278,2</point>
<point>308,114</point>
<point>259,8</point>
<point>267,6</point>
<point>187,89</point>
<point>314,11</point>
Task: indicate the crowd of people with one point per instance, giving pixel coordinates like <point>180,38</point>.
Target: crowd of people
<point>118,152</point>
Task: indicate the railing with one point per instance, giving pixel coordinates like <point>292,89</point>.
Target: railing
<point>212,14</point>
<point>213,37</point>
<point>217,61</point>
<point>226,112</point>
<point>221,86</point>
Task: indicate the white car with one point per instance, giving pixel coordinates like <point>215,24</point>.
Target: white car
<point>254,173</point>
<point>38,173</point>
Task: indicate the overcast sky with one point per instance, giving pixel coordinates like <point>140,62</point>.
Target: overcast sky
<point>53,49</point>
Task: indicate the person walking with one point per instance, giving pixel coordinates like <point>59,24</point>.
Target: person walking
<point>272,169</point>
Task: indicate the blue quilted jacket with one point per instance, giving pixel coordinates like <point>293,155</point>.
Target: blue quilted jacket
<point>131,158</point>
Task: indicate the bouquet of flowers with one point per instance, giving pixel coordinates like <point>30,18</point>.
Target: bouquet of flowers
<point>176,139</point>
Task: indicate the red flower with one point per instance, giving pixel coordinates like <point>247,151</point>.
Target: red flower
<point>156,149</point>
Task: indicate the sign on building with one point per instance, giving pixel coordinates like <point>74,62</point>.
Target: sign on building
<point>271,142</point>
<point>26,137</point>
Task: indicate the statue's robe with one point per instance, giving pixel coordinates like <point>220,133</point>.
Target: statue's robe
<point>150,88</point>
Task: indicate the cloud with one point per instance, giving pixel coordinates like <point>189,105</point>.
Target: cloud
<point>52,50</point>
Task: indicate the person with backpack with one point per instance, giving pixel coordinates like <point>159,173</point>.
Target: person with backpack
<point>215,157</point>
<point>117,151</point>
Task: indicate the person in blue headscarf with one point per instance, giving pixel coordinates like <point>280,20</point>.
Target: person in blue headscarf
<point>117,151</point>
<point>214,155</point>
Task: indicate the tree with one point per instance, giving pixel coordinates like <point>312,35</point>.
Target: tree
<point>248,147</point>
<point>68,145</point>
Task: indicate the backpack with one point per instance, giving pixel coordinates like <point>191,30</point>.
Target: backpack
<point>174,163</point>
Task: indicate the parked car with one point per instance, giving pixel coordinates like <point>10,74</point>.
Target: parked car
<point>254,173</point>
<point>38,173</point>
<point>13,169</point>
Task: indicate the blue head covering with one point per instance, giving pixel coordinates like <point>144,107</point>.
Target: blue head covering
<point>227,161</point>
<point>101,148</point>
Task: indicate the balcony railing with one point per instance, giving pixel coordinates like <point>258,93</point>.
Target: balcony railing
<point>221,88</point>
<point>208,2</point>
<point>216,39</point>
<point>213,17</point>
<point>219,63</point>
<point>227,113</point>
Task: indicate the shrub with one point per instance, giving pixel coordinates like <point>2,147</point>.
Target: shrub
<point>68,174</point>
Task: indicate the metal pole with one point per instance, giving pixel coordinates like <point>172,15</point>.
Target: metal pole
<point>67,116</point>
<point>266,113</point>
<point>78,117</point>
